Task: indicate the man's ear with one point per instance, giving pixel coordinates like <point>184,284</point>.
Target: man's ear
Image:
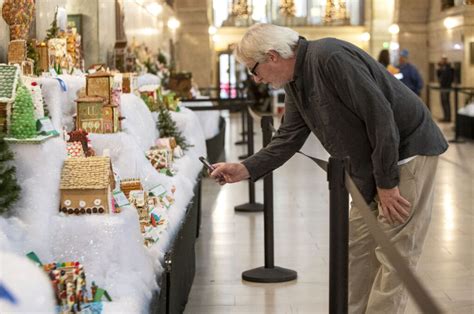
<point>273,55</point>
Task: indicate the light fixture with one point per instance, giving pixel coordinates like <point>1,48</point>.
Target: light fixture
<point>457,46</point>
<point>365,36</point>
<point>212,30</point>
<point>450,22</point>
<point>173,23</point>
<point>394,29</point>
<point>216,38</point>
<point>154,8</point>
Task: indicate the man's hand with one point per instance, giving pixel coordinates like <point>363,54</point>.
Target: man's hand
<point>394,206</point>
<point>229,173</point>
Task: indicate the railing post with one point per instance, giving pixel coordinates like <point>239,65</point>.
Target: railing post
<point>269,273</point>
<point>252,205</point>
<point>338,238</point>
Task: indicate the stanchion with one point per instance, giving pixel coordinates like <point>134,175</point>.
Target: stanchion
<point>268,273</point>
<point>251,206</point>
<point>243,115</point>
<point>456,124</point>
<point>250,142</point>
<point>338,237</point>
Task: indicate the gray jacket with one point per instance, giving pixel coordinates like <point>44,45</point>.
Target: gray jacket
<point>356,108</point>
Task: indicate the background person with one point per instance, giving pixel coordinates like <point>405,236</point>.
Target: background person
<point>411,77</point>
<point>384,59</point>
<point>445,75</point>
<point>357,109</point>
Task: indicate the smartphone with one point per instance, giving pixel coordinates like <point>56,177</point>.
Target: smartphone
<point>206,164</point>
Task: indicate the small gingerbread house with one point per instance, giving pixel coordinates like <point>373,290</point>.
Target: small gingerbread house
<point>69,283</point>
<point>87,185</point>
<point>8,81</point>
<point>17,51</point>
<point>100,84</point>
<point>128,185</point>
<point>95,115</point>
<point>129,83</point>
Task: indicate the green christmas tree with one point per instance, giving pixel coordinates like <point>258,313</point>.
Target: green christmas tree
<point>53,31</point>
<point>23,121</point>
<point>167,128</point>
<point>9,189</point>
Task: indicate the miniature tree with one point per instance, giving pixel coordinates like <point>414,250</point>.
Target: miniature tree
<point>53,31</point>
<point>167,128</point>
<point>9,189</point>
<point>23,121</point>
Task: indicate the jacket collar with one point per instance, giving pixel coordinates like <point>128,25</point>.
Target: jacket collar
<point>301,49</point>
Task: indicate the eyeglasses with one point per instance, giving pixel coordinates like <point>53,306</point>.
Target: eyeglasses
<point>253,71</point>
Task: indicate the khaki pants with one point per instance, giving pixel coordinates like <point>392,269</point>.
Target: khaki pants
<point>374,286</point>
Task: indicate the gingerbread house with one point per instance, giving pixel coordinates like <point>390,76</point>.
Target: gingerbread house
<point>86,185</point>
<point>128,185</point>
<point>8,81</point>
<point>96,115</point>
<point>129,83</point>
<point>100,84</point>
<point>17,51</point>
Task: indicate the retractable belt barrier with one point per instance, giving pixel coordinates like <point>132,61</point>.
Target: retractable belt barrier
<point>406,275</point>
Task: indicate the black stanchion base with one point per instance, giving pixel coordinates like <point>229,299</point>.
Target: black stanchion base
<point>242,157</point>
<point>240,143</point>
<point>249,207</point>
<point>269,275</point>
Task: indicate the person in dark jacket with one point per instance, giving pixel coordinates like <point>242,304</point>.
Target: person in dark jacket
<point>411,77</point>
<point>358,109</point>
<point>445,78</point>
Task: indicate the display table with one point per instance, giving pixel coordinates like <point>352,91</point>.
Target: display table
<point>109,246</point>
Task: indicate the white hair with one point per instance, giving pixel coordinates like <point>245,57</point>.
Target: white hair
<point>259,39</point>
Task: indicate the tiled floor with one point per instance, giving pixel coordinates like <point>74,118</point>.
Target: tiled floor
<point>232,242</point>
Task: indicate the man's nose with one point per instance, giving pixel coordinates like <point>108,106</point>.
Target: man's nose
<point>257,79</point>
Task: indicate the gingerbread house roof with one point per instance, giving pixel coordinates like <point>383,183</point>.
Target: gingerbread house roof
<point>100,74</point>
<point>8,82</point>
<point>86,173</point>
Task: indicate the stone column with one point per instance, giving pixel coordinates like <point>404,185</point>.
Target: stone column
<point>412,18</point>
<point>193,49</point>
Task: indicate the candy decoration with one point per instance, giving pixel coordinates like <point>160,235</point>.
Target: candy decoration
<point>18,14</point>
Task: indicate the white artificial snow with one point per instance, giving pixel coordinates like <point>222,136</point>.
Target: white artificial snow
<point>109,246</point>
<point>209,119</point>
<point>467,110</point>
<point>138,121</point>
<point>148,79</point>
<point>16,275</point>
<point>61,103</point>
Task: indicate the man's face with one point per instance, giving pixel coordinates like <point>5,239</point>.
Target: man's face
<point>272,71</point>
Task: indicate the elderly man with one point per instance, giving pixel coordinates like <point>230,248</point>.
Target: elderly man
<point>356,108</point>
